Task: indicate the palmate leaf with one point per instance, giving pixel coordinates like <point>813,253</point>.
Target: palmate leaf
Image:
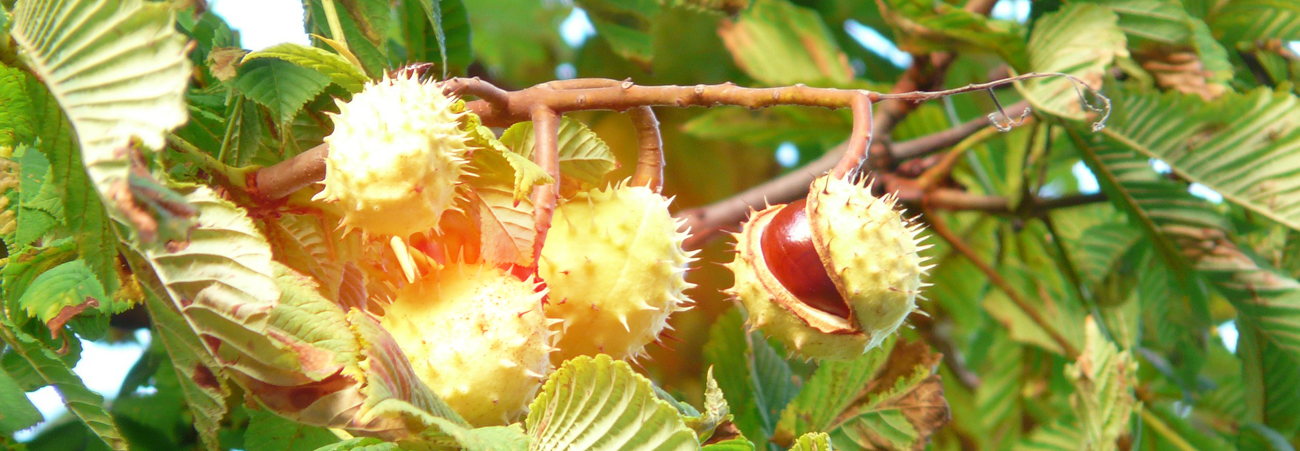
<point>337,68</point>
<point>600,404</point>
<point>998,397</point>
<point>85,404</point>
<point>583,155</point>
<point>890,398</point>
<point>1159,29</point>
<point>117,68</point>
<point>491,438</point>
<point>779,43</point>
<point>1188,233</point>
<point>223,283</point>
<point>281,86</point>
<point>1103,378</point>
<point>754,379</point>
<point>1244,146</point>
<point>1081,40</point>
<point>360,444</point>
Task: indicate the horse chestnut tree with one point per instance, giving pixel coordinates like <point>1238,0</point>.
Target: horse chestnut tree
<point>407,235</point>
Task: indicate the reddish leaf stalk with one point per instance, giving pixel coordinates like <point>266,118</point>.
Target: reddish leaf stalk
<point>859,140</point>
<point>546,129</point>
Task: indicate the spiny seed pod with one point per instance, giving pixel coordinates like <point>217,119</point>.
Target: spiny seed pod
<point>832,275</point>
<point>616,270</point>
<point>395,156</point>
<point>477,336</point>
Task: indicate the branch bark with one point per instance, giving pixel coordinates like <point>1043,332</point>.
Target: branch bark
<point>650,161</point>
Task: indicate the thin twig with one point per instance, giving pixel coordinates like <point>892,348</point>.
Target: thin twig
<point>546,127</point>
<point>650,161</point>
<point>940,227</point>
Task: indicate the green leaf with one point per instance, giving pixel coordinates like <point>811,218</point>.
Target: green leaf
<point>1081,40</point>
<point>626,26</point>
<point>735,444</point>
<point>19,413</point>
<point>813,441</point>
<point>223,283</point>
<point>39,208</point>
<point>890,398</point>
<point>360,444</point>
<point>433,12</point>
<point>1165,429</point>
<point>282,87</point>
<point>1103,379</point>
<point>64,292</point>
<point>1271,379</point>
<point>998,397</point>
<point>779,43</point>
<point>114,87</point>
<point>337,68</point>
<point>925,26</point>
<point>202,382</point>
<point>583,155</point>
<point>715,412</point>
<point>755,380</point>
<point>1249,20</point>
<point>1255,436</point>
<point>1060,435</point>
<point>423,44</point>
<point>1175,220</point>
<point>599,404</point>
<point>31,112</point>
<point>312,245</point>
<point>1242,145</point>
<point>492,438</point>
<point>269,432</point>
<point>85,404</point>
<point>365,28</point>
<point>495,164</point>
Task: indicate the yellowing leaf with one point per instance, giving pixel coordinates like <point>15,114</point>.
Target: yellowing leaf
<point>1103,379</point>
<point>117,68</point>
<point>1081,40</point>
<point>599,404</point>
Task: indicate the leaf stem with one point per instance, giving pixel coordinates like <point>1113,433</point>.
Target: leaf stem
<point>940,227</point>
<point>546,128</point>
<point>235,118</point>
<point>1164,430</point>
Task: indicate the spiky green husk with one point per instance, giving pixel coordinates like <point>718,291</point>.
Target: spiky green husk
<point>616,270</point>
<point>395,156</point>
<point>873,253</point>
<point>870,253</point>
<point>477,336</point>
